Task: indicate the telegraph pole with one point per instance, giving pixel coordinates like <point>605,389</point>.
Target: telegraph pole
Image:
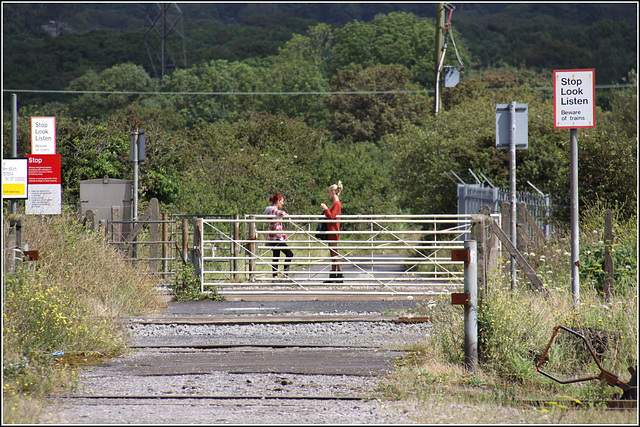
<point>438,52</point>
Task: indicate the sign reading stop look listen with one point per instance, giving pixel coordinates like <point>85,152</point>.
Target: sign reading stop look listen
<point>43,135</point>
<point>574,99</point>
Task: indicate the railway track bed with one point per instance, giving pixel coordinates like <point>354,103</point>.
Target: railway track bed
<point>254,364</point>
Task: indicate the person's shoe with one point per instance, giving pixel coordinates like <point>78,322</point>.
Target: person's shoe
<point>332,278</point>
<point>339,277</point>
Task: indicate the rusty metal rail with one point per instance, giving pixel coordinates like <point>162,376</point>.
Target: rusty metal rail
<point>630,390</point>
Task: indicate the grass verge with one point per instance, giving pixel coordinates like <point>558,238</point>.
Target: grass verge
<point>64,310</point>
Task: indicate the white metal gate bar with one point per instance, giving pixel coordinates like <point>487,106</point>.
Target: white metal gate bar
<point>378,254</point>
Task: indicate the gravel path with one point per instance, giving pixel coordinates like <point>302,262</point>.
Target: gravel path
<point>372,334</point>
<point>190,385</point>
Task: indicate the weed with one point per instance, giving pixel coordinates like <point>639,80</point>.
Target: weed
<point>187,286</point>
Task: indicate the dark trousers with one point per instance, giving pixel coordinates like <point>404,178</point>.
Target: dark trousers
<point>277,248</point>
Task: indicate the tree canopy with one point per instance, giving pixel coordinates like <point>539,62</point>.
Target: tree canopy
<point>328,103</point>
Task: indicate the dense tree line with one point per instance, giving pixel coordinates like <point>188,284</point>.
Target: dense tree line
<point>535,36</point>
<point>250,135</point>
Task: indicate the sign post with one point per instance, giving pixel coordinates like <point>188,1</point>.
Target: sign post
<point>45,185</point>
<point>574,107</point>
<point>15,178</point>
<point>14,142</point>
<point>512,132</point>
<point>138,143</point>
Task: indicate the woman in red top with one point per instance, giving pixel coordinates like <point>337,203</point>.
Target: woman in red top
<point>332,213</point>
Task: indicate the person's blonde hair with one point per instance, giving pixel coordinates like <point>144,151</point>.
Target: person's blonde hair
<point>337,188</point>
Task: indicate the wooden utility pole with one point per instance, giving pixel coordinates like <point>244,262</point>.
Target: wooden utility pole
<point>438,52</point>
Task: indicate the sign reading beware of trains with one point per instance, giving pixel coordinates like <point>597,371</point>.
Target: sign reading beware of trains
<point>574,99</point>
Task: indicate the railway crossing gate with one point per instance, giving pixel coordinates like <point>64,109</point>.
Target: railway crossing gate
<point>401,255</point>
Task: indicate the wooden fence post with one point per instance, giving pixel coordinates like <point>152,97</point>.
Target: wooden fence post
<point>15,242</point>
<point>505,214</point>
<point>608,261</point>
<point>89,221</point>
<point>524,240</point>
<point>116,231</point>
<point>185,239</point>
<point>197,246</point>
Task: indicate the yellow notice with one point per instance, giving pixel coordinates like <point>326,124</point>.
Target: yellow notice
<point>14,189</point>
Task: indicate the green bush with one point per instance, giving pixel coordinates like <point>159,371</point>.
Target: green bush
<point>187,285</point>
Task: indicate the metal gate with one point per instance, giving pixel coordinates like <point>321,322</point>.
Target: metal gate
<point>379,254</point>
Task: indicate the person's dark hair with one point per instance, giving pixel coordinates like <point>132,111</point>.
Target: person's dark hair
<point>275,198</point>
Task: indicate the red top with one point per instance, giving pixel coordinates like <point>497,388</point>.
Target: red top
<point>332,213</point>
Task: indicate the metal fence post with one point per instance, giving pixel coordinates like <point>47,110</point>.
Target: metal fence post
<point>252,248</point>
<point>470,309</point>
<point>235,248</point>
<point>153,234</point>
<point>165,243</point>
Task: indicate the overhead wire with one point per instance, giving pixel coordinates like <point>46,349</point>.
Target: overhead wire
<point>124,92</point>
<point>359,92</point>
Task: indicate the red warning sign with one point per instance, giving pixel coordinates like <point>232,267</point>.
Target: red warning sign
<point>44,169</point>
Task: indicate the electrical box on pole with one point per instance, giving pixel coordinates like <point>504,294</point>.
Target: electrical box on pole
<point>138,146</point>
<point>451,76</point>
<point>503,126</point>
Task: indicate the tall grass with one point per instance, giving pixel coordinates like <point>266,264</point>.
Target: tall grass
<point>515,327</point>
<point>64,308</point>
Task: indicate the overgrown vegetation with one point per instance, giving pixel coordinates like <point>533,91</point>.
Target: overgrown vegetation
<point>515,327</point>
<point>59,312</point>
<point>187,287</point>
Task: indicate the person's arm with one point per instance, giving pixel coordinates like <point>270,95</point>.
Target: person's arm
<point>332,212</point>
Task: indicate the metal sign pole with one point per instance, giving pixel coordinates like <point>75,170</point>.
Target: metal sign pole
<point>575,231</point>
<point>512,179</point>
<point>471,309</point>
<point>14,140</point>
<point>135,176</point>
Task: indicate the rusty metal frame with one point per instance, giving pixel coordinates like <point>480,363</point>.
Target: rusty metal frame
<point>605,375</point>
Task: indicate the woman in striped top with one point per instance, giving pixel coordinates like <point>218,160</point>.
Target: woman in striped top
<point>276,236</point>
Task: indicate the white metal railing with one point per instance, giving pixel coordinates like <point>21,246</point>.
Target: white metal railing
<point>404,254</point>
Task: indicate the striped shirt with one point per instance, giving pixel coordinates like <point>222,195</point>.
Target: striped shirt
<point>275,226</point>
